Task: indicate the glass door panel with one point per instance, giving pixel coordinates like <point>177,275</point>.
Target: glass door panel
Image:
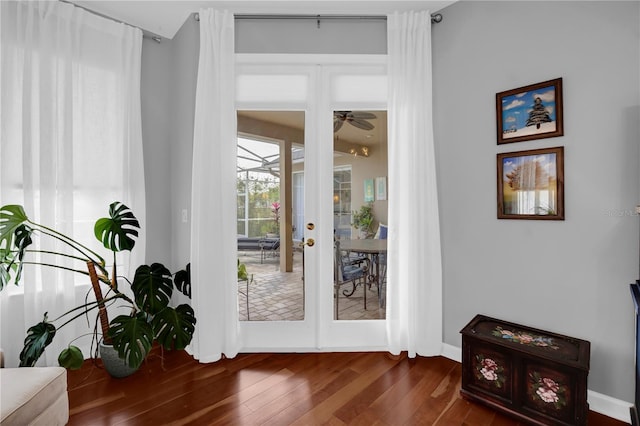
<point>360,213</point>
<point>270,168</point>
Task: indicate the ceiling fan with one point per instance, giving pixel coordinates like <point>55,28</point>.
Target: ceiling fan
<point>355,118</point>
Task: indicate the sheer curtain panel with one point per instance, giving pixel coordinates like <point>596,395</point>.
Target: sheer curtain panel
<point>70,144</point>
<point>414,294</point>
<point>213,217</point>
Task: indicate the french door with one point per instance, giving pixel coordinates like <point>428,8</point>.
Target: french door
<point>322,177</point>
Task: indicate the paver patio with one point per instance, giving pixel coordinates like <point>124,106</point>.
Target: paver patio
<point>279,296</point>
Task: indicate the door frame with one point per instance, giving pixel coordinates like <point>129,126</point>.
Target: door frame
<point>318,331</point>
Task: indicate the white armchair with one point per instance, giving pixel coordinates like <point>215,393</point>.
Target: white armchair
<point>33,396</point>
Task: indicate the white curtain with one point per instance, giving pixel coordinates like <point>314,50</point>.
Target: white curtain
<point>70,144</point>
<point>213,242</point>
<point>414,295</point>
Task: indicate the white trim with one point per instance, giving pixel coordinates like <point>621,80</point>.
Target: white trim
<point>452,352</point>
<point>599,403</point>
<point>608,406</point>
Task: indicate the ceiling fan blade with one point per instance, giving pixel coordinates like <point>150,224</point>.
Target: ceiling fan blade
<point>361,124</point>
<point>337,124</point>
<point>362,115</point>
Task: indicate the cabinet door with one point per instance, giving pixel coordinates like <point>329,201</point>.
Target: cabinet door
<point>488,371</point>
<point>549,392</point>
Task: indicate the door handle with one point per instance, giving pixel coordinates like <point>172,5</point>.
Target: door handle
<point>310,242</point>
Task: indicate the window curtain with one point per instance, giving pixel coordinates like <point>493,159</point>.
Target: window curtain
<point>70,144</point>
<point>213,242</point>
<point>414,295</point>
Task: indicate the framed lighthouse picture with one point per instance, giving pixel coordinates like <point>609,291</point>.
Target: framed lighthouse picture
<point>530,112</point>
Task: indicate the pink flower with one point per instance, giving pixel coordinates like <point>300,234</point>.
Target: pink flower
<point>275,206</point>
<point>550,384</point>
<point>489,364</point>
<point>525,338</point>
<point>489,374</point>
<point>547,395</point>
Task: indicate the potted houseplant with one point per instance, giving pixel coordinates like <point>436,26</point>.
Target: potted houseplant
<point>362,220</point>
<point>132,336</point>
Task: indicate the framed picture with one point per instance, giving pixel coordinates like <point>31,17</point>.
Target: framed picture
<point>531,184</point>
<point>381,188</point>
<point>368,190</point>
<point>530,112</point>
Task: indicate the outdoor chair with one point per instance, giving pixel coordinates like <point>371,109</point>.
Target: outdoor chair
<point>349,271</point>
<point>382,265</point>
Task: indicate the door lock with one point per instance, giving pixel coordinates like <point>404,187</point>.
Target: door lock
<point>310,226</point>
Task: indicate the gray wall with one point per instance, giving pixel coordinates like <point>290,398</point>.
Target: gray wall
<point>169,72</point>
<point>156,107</point>
<point>571,276</point>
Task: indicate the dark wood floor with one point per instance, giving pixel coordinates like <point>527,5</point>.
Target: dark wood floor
<point>281,389</point>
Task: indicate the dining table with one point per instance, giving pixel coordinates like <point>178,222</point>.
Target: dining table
<point>374,249</point>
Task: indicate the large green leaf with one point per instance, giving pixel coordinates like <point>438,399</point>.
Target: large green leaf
<point>11,259</point>
<point>132,336</point>
<point>182,281</point>
<point>23,241</point>
<point>11,216</point>
<point>152,287</point>
<point>174,327</point>
<point>5,275</point>
<point>15,237</point>
<point>71,358</point>
<point>117,231</point>
<point>38,337</point>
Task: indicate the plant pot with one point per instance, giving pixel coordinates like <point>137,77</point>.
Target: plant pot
<point>115,366</point>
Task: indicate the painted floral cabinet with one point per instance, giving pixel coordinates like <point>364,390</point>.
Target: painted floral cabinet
<point>531,374</point>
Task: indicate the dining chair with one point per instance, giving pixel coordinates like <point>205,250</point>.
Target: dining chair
<point>381,264</point>
<point>348,271</point>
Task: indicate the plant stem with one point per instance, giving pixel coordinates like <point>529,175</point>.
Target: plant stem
<point>70,241</point>
<point>56,266</point>
<point>87,308</point>
<point>102,310</point>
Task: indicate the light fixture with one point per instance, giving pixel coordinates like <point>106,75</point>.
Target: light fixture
<point>362,150</point>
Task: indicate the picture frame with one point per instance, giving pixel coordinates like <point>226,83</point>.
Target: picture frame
<point>531,184</point>
<point>530,112</point>
<point>381,188</point>
<point>368,191</point>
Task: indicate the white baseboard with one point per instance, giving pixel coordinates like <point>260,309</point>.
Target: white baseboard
<point>452,352</point>
<point>600,403</point>
<point>610,407</point>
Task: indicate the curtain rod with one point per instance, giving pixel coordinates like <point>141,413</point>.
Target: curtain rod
<point>435,18</point>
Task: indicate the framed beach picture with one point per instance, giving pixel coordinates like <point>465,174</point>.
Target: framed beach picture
<point>368,191</point>
<point>381,188</point>
<point>531,184</point>
<point>530,112</point>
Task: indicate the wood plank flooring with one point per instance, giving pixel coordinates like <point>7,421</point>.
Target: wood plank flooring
<point>281,389</point>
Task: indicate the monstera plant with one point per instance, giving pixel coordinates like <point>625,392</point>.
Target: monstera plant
<point>151,319</point>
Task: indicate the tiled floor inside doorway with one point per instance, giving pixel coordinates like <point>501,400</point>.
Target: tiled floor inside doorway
<point>279,296</point>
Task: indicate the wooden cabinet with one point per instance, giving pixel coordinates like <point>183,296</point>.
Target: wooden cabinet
<point>530,374</point>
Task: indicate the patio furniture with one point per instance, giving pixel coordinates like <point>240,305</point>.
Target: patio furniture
<point>376,250</point>
<point>347,271</point>
<point>264,245</point>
